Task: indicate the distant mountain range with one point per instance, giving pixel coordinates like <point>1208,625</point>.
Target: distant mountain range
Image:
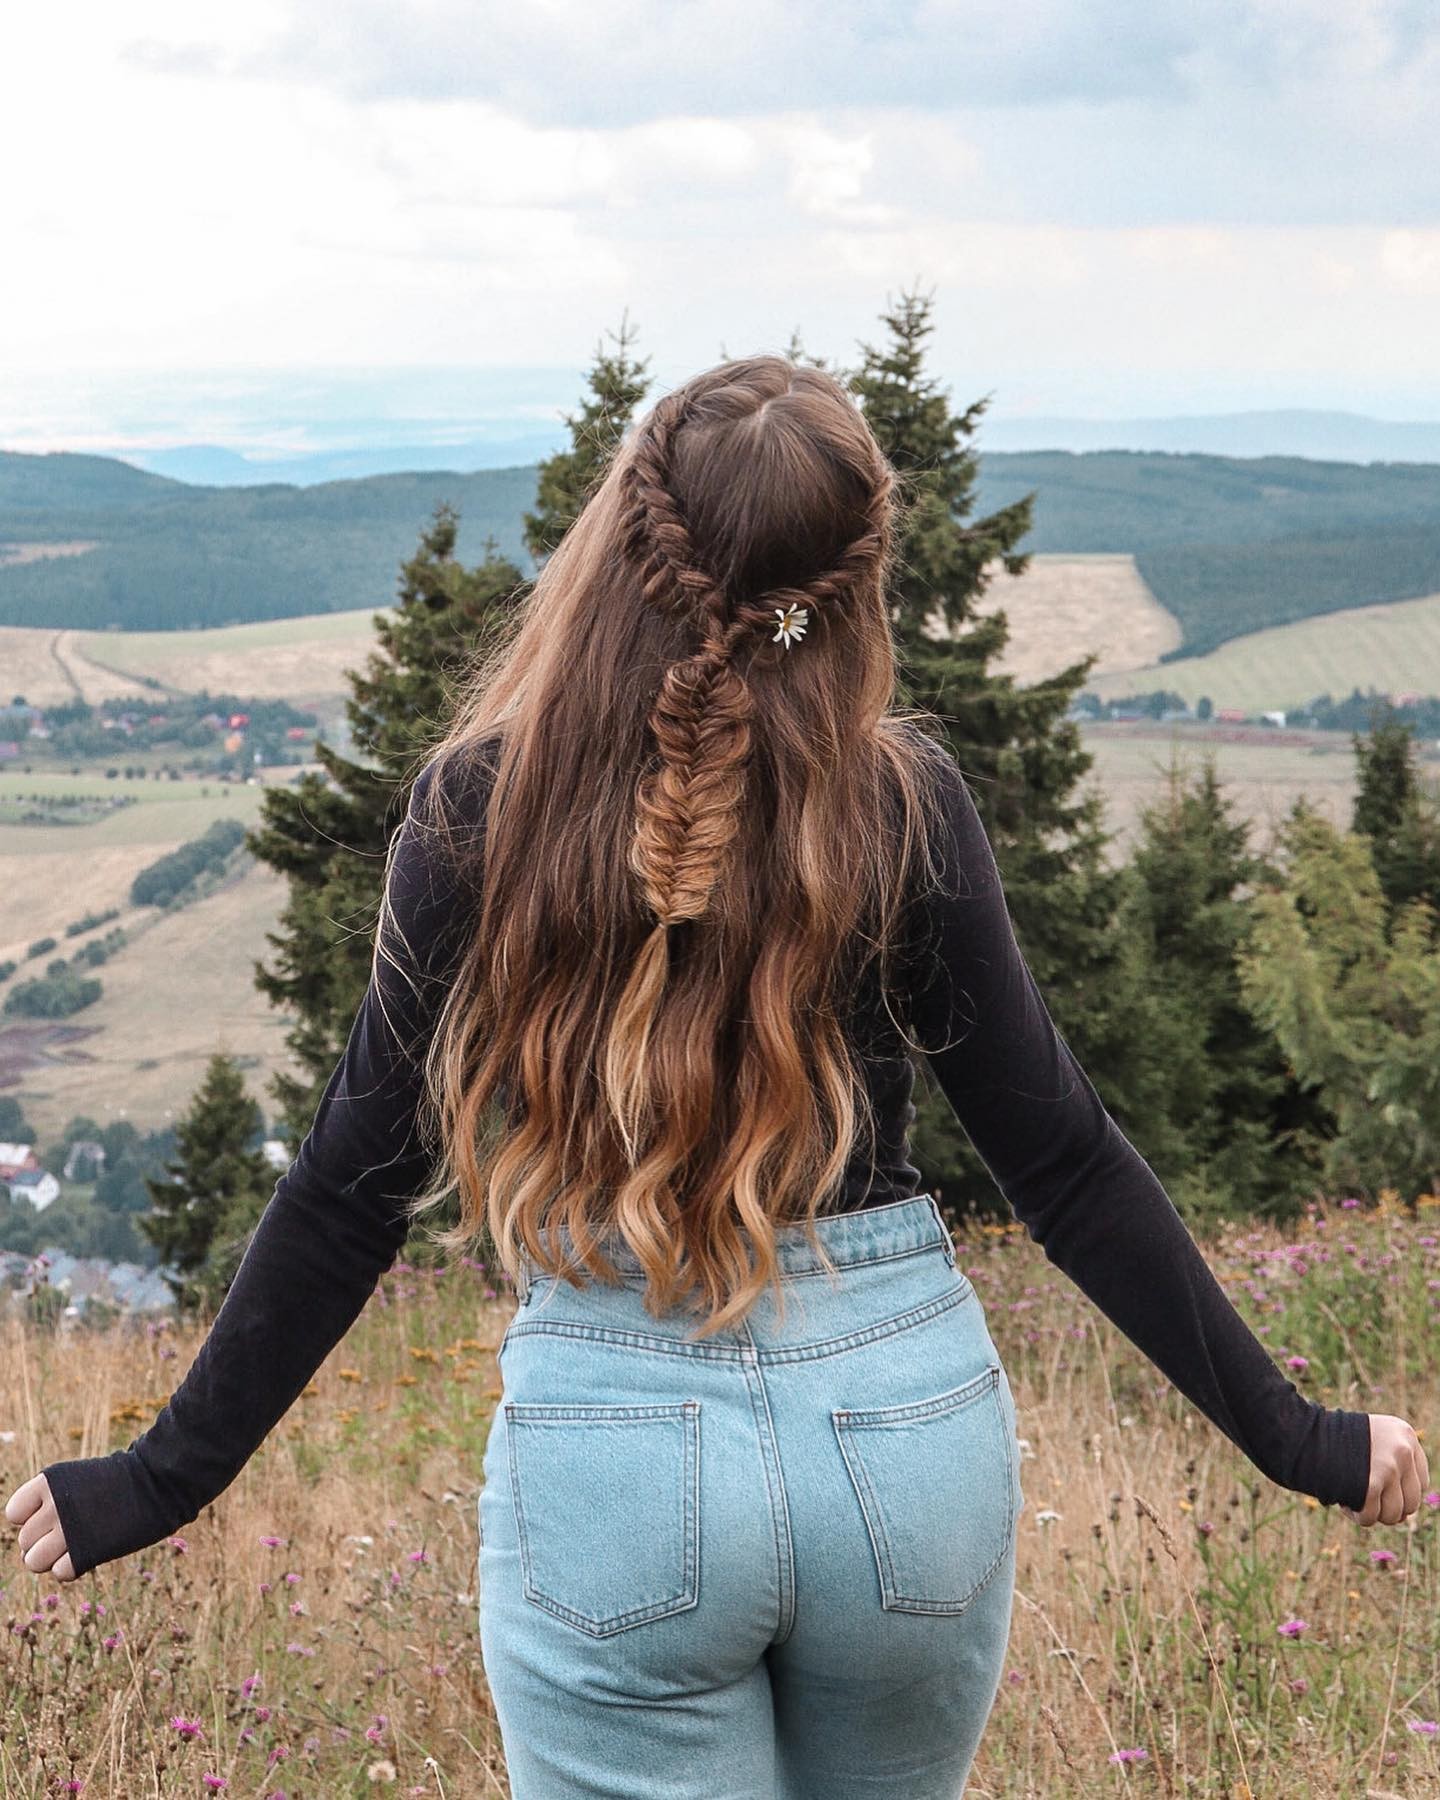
<point>1329,436</point>
<point>212,465</point>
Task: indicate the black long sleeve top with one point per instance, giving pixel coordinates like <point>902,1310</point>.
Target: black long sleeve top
<point>337,1220</point>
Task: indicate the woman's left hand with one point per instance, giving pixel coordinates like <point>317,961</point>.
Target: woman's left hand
<point>42,1541</point>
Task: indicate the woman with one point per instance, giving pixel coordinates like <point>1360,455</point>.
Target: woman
<point>674,904</point>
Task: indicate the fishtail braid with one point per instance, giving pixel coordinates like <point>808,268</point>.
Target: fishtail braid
<point>688,810</point>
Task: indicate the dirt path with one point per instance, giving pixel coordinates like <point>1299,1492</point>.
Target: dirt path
<point>67,674</point>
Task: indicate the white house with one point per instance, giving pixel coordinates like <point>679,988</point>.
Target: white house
<point>38,1186</point>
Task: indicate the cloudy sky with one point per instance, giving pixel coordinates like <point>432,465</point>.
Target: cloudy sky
<point>1122,207</point>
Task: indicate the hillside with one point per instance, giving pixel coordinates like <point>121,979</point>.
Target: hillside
<point>1225,545</point>
<point>1391,648</point>
<point>173,556</point>
<point>1061,608</point>
<point>1230,545</point>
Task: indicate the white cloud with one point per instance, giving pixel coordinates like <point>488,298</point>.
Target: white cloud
<point>1121,205</point>
<point>1411,261</point>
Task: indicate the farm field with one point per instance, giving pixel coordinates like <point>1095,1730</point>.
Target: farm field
<point>299,659</point>
<point>1262,779</point>
<point>1063,607</point>
<point>1181,1625</point>
<point>68,870</point>
<point>1060,609</point>
<point>1394,647</point>
<point>303,660</point>
<point>181,988</point>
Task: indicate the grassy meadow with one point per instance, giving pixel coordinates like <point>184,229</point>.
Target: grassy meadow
<point>180,987</point>
<point>303,660</point>
<point>1181,1626</point>
<point>1394,647</point>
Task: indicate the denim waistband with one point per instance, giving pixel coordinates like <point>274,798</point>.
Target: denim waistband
<point>871,1234</point>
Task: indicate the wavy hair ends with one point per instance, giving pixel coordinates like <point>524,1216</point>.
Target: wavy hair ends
<point>695,838</point>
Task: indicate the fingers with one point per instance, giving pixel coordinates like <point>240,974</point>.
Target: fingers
<point>1370,1510</point>
<point>1399,1474</point>
<point>43,1520</point>
<point>26,1498</point>
<point>46,1551</point>
<point>1410,1487</point>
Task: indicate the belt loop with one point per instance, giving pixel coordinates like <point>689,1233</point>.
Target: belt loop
<point>947,1240</point>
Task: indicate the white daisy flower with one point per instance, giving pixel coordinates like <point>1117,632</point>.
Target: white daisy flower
<point>793,620</point>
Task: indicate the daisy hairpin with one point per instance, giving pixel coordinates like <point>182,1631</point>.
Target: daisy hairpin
<point>793,620</point>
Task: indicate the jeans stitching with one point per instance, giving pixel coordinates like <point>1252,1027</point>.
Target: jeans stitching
<point>775,1481</point>
<point>664,1346</point>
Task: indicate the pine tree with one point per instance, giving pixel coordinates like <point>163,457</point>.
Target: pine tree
<point>1230,1131</point>
<point>1017,744</point>
<point>617,383</point>
<point>1396,810</point>
<point>215,1189</point>
<point>328,833</point>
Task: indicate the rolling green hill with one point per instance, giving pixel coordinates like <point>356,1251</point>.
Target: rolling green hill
<point>1233,545</point>
<point>1228,545</point>
<point>173,556</point>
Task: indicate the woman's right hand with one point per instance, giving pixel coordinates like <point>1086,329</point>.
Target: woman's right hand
<point>1399,1473</point>
<point>42,1537</point>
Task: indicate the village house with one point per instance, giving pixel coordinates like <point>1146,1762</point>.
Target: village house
<point>21,1174</point>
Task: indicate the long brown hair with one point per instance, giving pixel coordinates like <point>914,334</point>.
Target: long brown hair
<point>697,834</point>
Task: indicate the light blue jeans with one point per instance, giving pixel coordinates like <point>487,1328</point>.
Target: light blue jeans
<point>774,1564</point>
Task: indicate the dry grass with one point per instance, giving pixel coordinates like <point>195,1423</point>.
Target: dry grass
<point>180,990</point>
<point>303,660</point>
<point>1063,607</point>
<point>1155,1567</point>
<point>1262,781</point>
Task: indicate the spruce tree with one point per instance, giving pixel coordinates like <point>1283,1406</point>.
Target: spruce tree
<point>1018,745</point>
<point>617,382</point>
<point>214,1190</point>
<point>1396,810</point>
<point>328,833</point>
<point>1230,1132</point>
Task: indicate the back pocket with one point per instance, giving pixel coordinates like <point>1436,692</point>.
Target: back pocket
<point>607,1509</point>
<point>936,1481</point>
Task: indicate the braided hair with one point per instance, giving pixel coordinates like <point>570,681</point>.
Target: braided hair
<point>688,807</point>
